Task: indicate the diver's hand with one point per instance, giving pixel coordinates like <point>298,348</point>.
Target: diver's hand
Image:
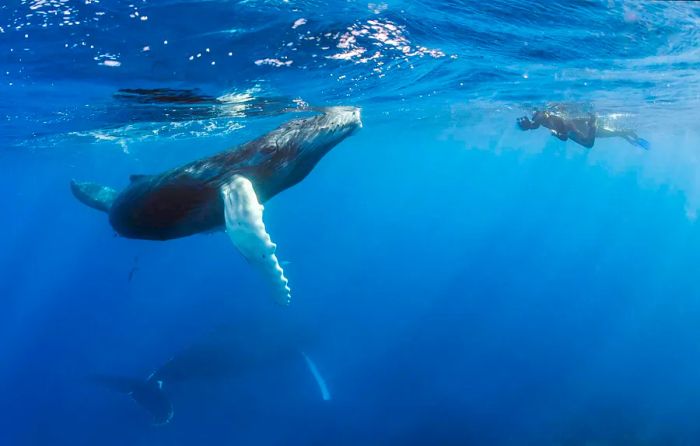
<point>524,123</point>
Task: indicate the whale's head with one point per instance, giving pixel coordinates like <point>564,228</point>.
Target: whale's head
<point>313,137</point>
<point>298,145</point>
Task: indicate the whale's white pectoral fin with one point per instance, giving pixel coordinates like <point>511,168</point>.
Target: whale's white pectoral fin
<point>322,387</point>
<point>245,227</point>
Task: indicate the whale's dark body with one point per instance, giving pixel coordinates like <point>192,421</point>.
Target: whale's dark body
<point>187,200</point>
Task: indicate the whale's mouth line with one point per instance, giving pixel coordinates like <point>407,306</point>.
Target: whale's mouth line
<point>342,120</point>
<point>359,119</point>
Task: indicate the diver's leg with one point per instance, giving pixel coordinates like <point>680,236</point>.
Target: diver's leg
<point>589,132</point>
<point>602,132</point>
<point>583,131</point>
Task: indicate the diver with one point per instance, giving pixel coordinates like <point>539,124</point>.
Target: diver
<point>583,128</point>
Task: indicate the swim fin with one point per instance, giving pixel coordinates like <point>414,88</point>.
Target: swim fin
<point>635,140</point>
<point>643,143</point>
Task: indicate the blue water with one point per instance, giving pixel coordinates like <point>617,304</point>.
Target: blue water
<point>459,282</point>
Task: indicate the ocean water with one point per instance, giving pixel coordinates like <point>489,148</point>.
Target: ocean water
<point>455,281</point>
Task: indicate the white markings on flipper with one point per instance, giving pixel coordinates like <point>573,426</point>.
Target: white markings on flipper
<point>245,227</point>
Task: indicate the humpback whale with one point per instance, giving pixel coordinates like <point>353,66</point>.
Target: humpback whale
<point>226,352</point>
<point>226,190</point>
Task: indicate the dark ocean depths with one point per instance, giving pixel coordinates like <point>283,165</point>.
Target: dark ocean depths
<point>456,281</point>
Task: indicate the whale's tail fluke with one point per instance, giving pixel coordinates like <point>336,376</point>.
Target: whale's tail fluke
<point>148,394</point>
<point>94,195</point>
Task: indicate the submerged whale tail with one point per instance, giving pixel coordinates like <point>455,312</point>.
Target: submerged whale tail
<point>94,195</point>
<point>148,394</point>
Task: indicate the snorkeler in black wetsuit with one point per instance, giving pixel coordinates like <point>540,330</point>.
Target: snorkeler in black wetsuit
<point>580,130</point>
<point>584,128</point>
